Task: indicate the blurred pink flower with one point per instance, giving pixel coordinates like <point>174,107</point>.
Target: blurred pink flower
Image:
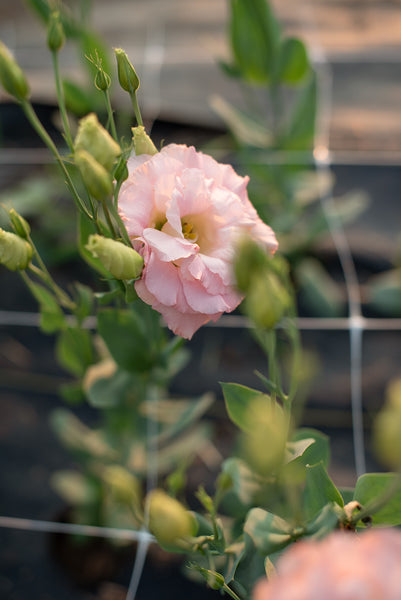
<point>184,213</point>
<point>343,566</point>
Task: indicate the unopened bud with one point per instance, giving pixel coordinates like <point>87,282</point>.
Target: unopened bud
<point>169,521</point>
<point>267,300</point>
<point>121,171</point>
<point>55,33</point>
<point>21,226</point>
<point>102,80</point>
<point>123,485</point>
<point>12,76</point>
<point>96,140</point>
<point>120,260</point>
<point>250,259</point>
<point>265,442</point>
<point>95,177</point>
<point>142,142</point>
<point>127,76</point>
<point>15,252</point>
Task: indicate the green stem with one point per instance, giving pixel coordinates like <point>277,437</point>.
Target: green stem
<point>271,355</point>
<point>61,101</point>
<point>121,226</point>
<point>137,110</point>
<point>41,131</point>
<point>108,219</point>
<point>230,592</point>
<point>110,115</point>
<point>62,297</point>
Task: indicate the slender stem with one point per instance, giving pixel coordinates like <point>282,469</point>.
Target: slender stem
<point>108,218</point>
<point>110,115</point>
<point>61,101</point>
<point>271,355</point>
<point>230,592</point>
<point>60,294</point>
<point>41,131</point>
<point>121,226</point>
<point>137,110</point>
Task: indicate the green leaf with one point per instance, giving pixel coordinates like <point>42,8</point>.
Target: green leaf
<point>51,315</point>
<point>301,128</point>
<point>110,391</point>
<point>239,399</point>
<point>77,99</point>
<point>293,61</point>
<point>254,36</point>
<point>245,483</point>
<point>268,532</point>
<point>74,350</point>
<point>317,452</point>
<point>324,522</point>
<point>192,411</point>
<point>129,341</point>
<point>370,487</point>
<point>319,490</point>
<point>246,566</point>
<point>243,127</point>
<point>84,301</point>
<point>296,449</point>
<point>319,292</point>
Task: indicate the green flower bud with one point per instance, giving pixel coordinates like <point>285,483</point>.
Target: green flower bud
<point>267,300</point>
<point>121,261</point>
<point>21,226</point>
<point>250,259</point>
<point>121,170</point>
<point>169,521</point>
<point>96,178</point>
<point>102,79</point>
<point>96,140</point>
<point>127,76</point>
<point>387,428</point>
<point>264,445</point>
<point>55,33</point>
<point>142,142</point>
<point>15,252</point>
<point>12,76</point>
<point>123,485</point>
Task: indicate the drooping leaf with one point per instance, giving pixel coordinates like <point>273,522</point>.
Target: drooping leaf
<point>319,451</point>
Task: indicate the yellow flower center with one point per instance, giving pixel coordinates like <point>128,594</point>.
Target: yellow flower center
<point>189,231</point>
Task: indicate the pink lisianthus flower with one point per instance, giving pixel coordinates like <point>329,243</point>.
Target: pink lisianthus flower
<point>185,213</point>
<point>343,566</point>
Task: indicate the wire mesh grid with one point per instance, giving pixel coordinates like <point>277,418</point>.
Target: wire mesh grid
<point>355,323</point>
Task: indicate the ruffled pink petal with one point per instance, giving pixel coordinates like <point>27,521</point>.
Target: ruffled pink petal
<point>169,248</point>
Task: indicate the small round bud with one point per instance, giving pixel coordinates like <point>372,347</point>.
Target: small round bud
<point>21,226</point>
<point>120,260</point>
<point>123,485</point>
<point>12,76</point>
<point>142,142</point>
<point>102,80</point>
<point>250,259</point>
<point>55,32</point>
<point>15,252</point>
<point>96,140</point>
<point>95,177</point>
<point>127,76</point>
<point>169,521</point>
<point>121,171</point>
